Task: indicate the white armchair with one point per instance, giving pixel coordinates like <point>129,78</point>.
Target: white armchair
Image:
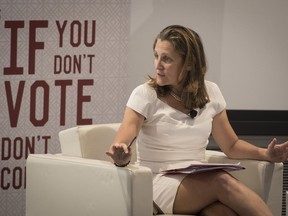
<point>80,180</point>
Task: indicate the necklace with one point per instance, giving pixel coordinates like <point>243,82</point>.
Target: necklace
<point>176,97</point>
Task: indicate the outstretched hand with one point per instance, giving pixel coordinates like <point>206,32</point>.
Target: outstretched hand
<point>277,152</point>
<point>120,153</point>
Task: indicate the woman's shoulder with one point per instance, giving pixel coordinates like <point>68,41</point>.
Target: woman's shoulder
<point>215,95</point>
<point>145,86</point>
<point>145,90</point>
<point>213,90</point>
<point>211,87</point>
<point>210,84</point>
<point>143,99</point>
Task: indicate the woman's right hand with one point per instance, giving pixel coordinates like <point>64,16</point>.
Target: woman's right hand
<point>120,153</point>
<point>120,150</point>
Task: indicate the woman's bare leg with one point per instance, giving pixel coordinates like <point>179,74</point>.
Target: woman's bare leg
<point>197,191</point>
<point>217,209</point>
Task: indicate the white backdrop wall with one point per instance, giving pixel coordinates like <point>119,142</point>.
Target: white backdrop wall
<point>245,41</point>
<point>62,64</point>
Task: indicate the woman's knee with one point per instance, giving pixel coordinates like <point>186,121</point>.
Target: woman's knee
<point>197,191</point>
<point>225,183</point>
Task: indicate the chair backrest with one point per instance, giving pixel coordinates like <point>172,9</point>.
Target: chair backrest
<point>90,141</point>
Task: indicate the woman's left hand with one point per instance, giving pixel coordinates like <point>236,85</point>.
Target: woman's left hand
<point>277,152</point>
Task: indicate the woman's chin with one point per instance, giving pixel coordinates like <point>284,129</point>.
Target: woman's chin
<point>161,83</point>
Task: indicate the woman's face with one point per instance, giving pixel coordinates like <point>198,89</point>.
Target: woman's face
<point>168,64</point>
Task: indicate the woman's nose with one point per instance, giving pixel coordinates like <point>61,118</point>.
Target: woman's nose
<point>158,64</point>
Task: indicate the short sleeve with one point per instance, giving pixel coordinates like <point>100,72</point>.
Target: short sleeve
<point>216,97</point>
<point>141,100</point>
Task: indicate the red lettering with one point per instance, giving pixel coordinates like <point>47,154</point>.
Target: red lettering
<point>61,31</point>
<point>6,142</point>
<point>36,85</point>
<point>67,64</point>
<point>17,177</point>
<point>46,138</point>
<point>13,178</point>
<point>13,69</point>
<point>90,62</point>
<point>72,63</point>
<point>75,34</point>
<point>33,44</point>
<point>63,84</point>
<point>57,62</point>
<point>30,146</point>
<point>81,99</point>
<point>39,101</point>
<point>14,108</point>
<point>93,34</point>
<point>18,148</point>
<point>3,185</point>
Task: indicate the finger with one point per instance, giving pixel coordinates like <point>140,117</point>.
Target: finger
<point>124,148</point>
<point>272,143</point>
<point>109,154</point>
<point>285,157</point>
<point>285,144</point>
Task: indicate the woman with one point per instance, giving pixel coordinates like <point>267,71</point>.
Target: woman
<point>173,115</point>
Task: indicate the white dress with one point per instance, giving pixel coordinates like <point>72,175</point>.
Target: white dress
<point>169,137</point>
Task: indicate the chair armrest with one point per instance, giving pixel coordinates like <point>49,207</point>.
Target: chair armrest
<point>89,141</point>
<point>68,186</point>
<point>265,178</point>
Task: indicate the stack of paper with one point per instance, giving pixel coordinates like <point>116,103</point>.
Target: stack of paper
<point>204,167</point>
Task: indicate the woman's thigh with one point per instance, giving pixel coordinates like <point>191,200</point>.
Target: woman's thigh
<point>198,191</point>
<point>164,190</point>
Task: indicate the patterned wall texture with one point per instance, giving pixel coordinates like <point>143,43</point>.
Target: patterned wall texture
<point>63,63</point>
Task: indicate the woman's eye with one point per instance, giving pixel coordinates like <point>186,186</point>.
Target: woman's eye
<point>166,59</point>
<point>155,55</point>
<point>163,58</point>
